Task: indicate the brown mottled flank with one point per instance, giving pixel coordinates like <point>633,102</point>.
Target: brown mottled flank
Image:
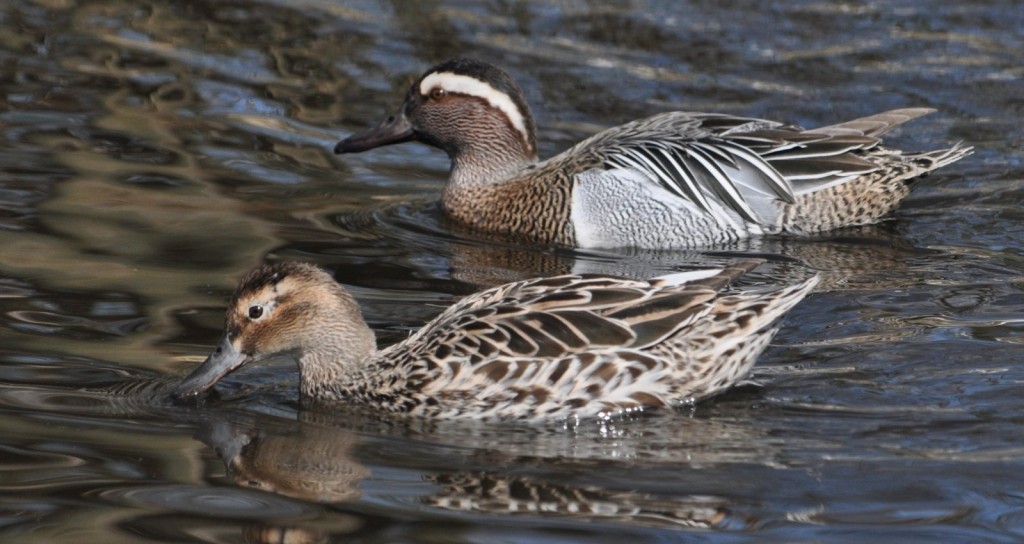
<point>533,209</point>
<point>676,179</point>
<point>867,199</point>
<point>546,348</point>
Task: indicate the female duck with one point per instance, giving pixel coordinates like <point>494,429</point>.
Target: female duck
<point>673,180</point>
<point>547,348</point>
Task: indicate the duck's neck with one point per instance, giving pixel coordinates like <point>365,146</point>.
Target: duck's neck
<point>326,376</point>
<point>336,358</point>
<point>489,160</point>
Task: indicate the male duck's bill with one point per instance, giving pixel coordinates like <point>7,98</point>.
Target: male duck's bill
<point>546,348</point>
<point>393,130</point>
<point>678,179</point>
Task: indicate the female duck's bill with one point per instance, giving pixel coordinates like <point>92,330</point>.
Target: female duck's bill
<point>224,360</point>
<point>546,348</point>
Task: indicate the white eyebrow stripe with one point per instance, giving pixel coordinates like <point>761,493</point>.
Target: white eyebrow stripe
<point>457,83</point>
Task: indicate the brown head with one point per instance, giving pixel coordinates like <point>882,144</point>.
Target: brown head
<point>471,109</point>
<point>285,309</point>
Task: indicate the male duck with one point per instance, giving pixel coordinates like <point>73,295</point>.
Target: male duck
<point>545,348</point>
<point>677,179</point>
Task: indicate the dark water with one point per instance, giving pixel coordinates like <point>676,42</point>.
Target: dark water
<point>150,153</point>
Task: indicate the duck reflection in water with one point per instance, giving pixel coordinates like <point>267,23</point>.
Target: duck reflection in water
<point>314,460</point>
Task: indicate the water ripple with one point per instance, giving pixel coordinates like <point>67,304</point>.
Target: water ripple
<point>227,502</point>
<point>154,152</point>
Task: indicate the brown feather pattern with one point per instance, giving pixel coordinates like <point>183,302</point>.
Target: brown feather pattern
<point>560,347</point>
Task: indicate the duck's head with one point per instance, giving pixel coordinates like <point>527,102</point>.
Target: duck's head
<point>285,308</point>
<point>471,109</point>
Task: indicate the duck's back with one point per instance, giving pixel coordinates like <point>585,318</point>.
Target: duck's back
<point>582,346</point>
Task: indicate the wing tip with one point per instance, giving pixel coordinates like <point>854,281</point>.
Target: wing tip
<point>712,278</point>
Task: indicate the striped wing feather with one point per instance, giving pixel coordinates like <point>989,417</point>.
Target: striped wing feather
<point>591,344</point>
<point>740,162</point>
<point>513,333</point>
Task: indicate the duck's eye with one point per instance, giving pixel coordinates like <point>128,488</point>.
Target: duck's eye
<point>438,93</point>
<point>255,311</point>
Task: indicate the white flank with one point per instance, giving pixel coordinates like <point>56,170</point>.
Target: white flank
<point>456,83</point>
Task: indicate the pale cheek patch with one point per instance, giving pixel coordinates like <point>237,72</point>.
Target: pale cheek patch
<point>456,83</point>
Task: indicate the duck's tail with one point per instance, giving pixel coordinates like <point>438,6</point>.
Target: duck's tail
<point>931,160</point>
<point>875,125</point>
<point>719,352</point>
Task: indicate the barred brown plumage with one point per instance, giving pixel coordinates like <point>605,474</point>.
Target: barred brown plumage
<point>545,348</point>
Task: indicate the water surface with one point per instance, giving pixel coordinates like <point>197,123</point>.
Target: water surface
<point>153,152</point>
